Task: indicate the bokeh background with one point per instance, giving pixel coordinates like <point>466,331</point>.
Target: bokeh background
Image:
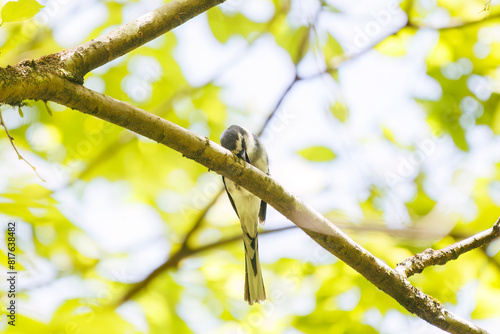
<point>382,115</point>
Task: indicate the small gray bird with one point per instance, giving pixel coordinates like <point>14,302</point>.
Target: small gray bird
<point>248,207</point>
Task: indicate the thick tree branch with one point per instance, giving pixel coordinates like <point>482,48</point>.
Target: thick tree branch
<point>430,257</point>
<point>223,162</point>
<point>20,82</point>
<point>84,58</point>
<point>217,159</point>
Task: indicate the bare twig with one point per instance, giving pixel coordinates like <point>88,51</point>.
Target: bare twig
<point>49,111</point>
<point>458,25</point>
<point>430,257</point>
<point>199,221</point>
<point>11,139</point>
<point>486,7</point>
<point>334,64</point>
<point>183,253</point>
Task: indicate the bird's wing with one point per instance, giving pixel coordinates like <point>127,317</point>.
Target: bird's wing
<point>230,198</point>
<point>262,212</point>
<point>263,205</point>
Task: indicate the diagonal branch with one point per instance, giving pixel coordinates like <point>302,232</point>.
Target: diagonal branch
<point>430,257</point>
<point>217,159</point>
<point>74,63</point>
<point>84,58</point>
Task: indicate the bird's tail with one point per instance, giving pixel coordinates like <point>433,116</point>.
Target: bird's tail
<point>254,284</point>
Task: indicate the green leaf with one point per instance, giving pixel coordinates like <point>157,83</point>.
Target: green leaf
<point>396,45</point>
<point>317,153</point>
<point>293,40</point>
<point>20,10</point>
<point>224,26</point>
<point>340,111</point>
<point>332,49</point>
<point>389,135</point>
<point>495,126</point>
<point>421,204</point>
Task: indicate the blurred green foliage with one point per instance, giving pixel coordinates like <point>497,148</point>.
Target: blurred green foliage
<point>306,295</point>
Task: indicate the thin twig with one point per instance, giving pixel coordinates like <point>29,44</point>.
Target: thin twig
<point>200,220</point>
<point>334,64</point>
<point>278,104</point>
<point>458,25</point>
<point>430,257</point>
<point>11,139</point>
<point>486,7</point>
<point>183,253</point>
<point>49,111</point>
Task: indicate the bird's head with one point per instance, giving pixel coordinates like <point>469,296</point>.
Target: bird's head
<point>234,139</point>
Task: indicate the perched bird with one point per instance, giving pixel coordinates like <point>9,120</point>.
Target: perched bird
<point>248,207</point>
